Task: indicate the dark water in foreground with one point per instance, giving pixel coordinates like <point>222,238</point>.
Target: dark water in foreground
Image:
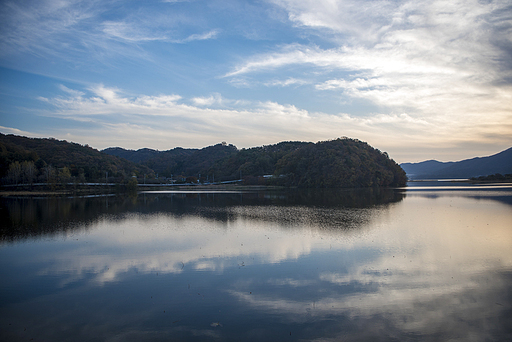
<point>427,263</point>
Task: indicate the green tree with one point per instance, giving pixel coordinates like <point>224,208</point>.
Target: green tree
<point>132,184</point>
<point>28,172</point>
<point>64,175</point>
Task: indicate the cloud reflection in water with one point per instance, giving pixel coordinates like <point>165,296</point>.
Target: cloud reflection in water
<point>421,268</point>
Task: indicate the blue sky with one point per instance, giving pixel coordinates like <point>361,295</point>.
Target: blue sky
<point>418,79</point>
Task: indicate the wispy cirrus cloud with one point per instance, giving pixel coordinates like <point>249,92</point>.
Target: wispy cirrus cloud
<point>217,100</point>
<point>131,33</point>
<point>364,19</point>
<point>76,30</point>
<point>202,36</point>
<point>43,27</point>
<point>287,82</point>
<point>438,62</point>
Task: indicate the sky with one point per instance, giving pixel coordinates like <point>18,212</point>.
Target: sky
<point>417,79</point>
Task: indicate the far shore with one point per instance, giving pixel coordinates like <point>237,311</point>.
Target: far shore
<point>98,189</point>
<point>469,181</point>
<point>85,190</point>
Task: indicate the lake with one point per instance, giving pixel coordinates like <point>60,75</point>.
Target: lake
<point>426,263</point>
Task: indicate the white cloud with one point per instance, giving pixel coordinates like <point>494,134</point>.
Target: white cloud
<point>204,36</point>
<point>214,99</point>
<point>146,31</point>
<point>11,130</point>
<point>291,54</point>
<point>439,62</point>
<point>77,31</point>
<point>72,92</point>
<point>119,117</point>
<point>288,111</point>
<point>38,27</point>
<point>129,32</point>
<point>363,18</point>
<point>287,82</point>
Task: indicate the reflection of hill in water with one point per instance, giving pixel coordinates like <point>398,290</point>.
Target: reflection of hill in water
<point>32,217</point>
<point>25,217</point>
<point>323,209</point>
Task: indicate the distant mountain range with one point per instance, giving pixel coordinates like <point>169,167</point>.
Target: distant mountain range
<point>481,166</point>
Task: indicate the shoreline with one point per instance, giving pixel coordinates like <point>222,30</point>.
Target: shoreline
<point>467,181</point>
<point>119,189</point>
<point>115,189</point>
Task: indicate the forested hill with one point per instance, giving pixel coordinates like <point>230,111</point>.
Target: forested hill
<point>339,163</point>
<point>40,159</point>
<point>178,161</point>
<point>336,163</point>
<point>500,163</point>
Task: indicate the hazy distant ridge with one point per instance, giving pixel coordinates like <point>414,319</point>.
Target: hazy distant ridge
<point>138,156</point>
<point>480,166</point>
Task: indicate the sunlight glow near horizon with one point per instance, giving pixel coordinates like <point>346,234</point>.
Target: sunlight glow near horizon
<point>417,79</point>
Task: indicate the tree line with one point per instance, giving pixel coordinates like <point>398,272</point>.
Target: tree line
<point>336,163</point>
<point>33,160</point>
<point>339,163</point>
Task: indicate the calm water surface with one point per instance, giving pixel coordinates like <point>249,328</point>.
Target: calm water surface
<point>423,263</point>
